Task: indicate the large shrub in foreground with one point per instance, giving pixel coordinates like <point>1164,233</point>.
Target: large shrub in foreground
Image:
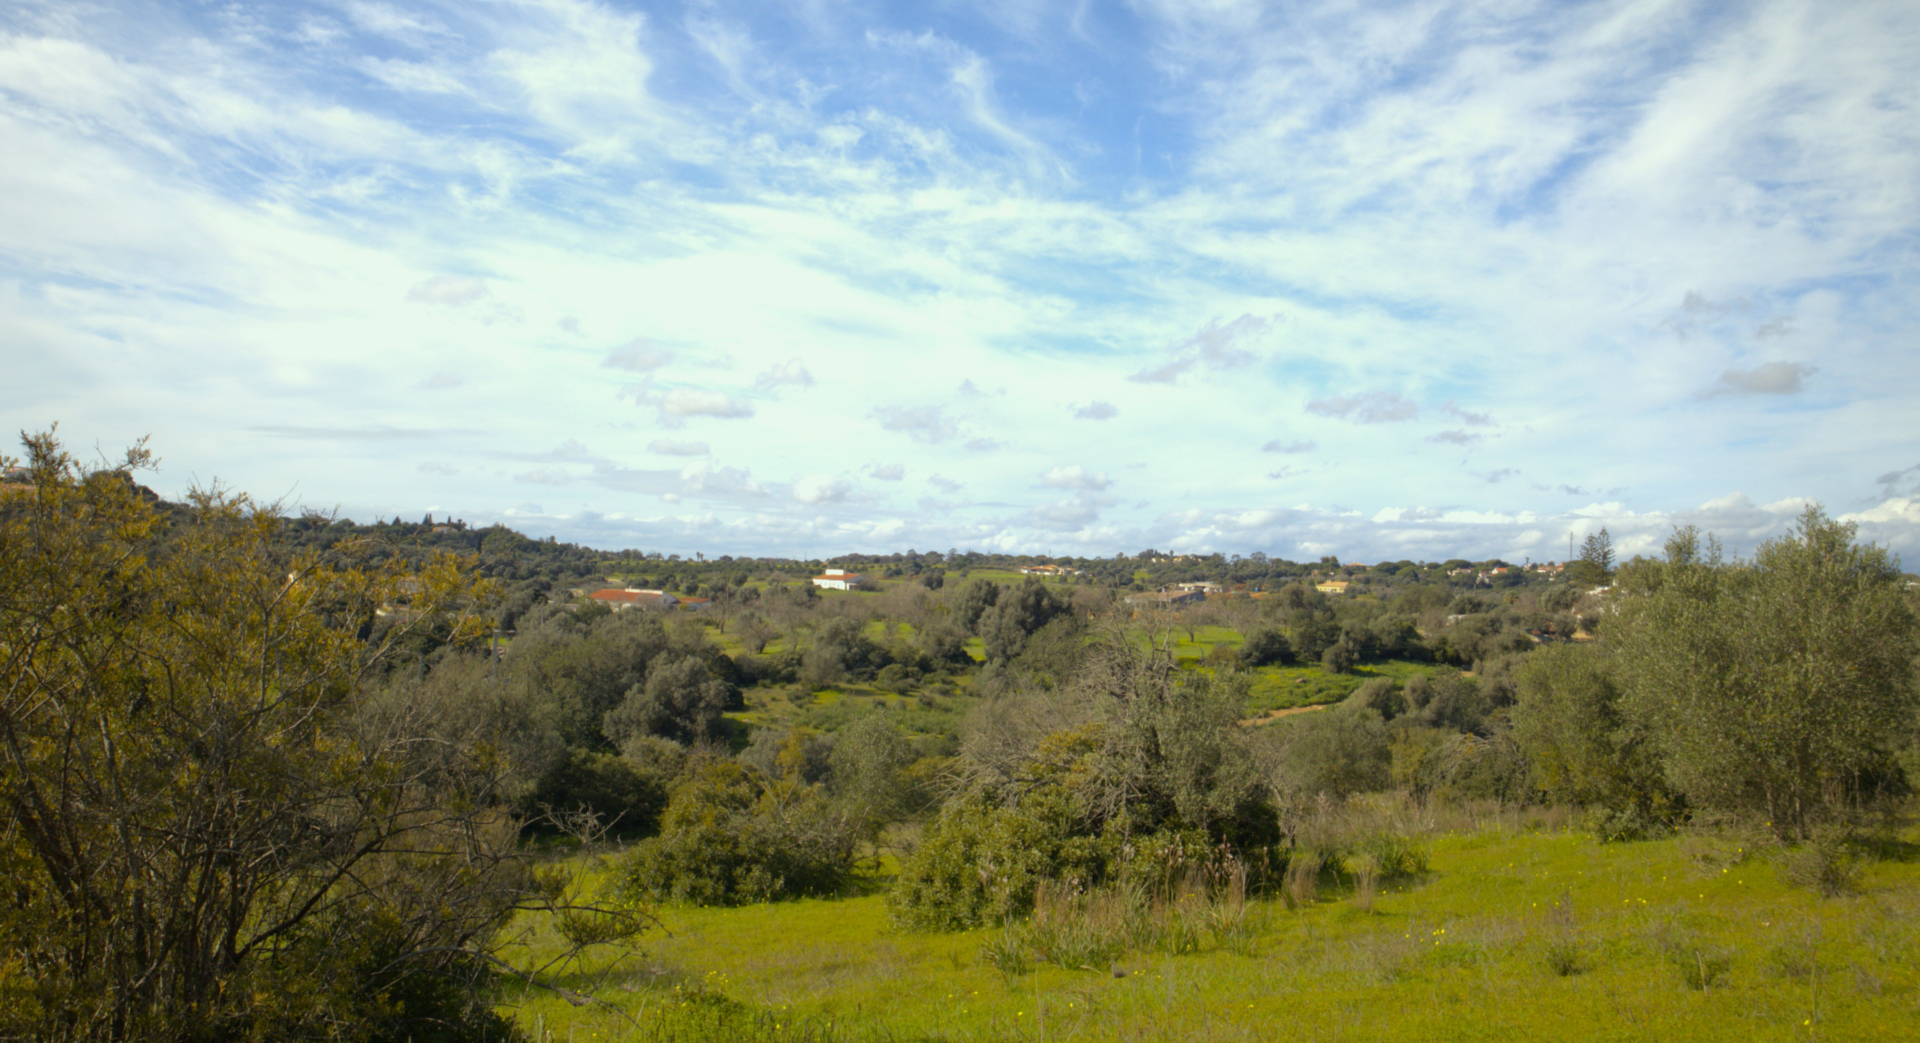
<point>1777,687</point>
<point>208,829</point>
<point>1128,770</point>
<point>732,835</point>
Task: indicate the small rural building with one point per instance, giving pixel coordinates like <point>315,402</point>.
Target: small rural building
<point>1331,586</point>
<point>620,600</point>
<point>1203,586</point>
<point>1048,570</point>
<point>841,579</point>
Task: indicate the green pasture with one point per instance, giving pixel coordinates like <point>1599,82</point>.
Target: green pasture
<point>934,710</point>
<point>1516,932</point>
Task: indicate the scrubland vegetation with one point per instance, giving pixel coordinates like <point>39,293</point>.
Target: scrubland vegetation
<point>283,778</point>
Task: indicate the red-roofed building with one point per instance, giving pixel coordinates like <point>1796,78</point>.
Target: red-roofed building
<point>620,600</point>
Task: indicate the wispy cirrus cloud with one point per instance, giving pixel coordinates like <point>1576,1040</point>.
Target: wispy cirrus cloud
<point>675,447</point>
<point>790,373</point>
<point>496,194</point>
<point>448,289</point>
<point>1372,407</point>
<point>1213,347</point>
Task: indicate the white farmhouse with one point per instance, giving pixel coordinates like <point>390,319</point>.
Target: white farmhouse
<point>841,579</point>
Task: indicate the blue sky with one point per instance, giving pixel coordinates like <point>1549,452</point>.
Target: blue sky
<point>1396,280</point>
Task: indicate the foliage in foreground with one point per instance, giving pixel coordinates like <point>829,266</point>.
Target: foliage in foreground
<point>207,830</point>
<point>1131,771</point>
<point>1783,687</point>
<point>732,835</point>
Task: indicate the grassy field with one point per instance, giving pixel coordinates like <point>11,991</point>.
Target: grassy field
<point>1516,932</point>
<point>1271,688</point>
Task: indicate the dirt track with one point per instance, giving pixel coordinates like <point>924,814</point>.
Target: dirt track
<point>1273,715</point>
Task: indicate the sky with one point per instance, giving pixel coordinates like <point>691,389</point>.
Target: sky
<point>1395,280</point>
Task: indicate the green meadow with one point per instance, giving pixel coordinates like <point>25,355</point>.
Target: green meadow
<point>1519,929</point>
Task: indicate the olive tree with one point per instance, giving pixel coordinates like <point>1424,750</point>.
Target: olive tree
<point>1771,686</point>
<point>1582,746</point>
<point>206,829</point>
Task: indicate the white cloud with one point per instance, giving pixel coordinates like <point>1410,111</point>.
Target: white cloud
<point>675,447</point>
<point>195,211</point>
<point>1471,419</point>
<point>708,479</point>
<point>441,381</point>
<point>890,472</point>
<point>821,488</point>
<point>412,76</point>
<point>920,423</point>
<point>1063,515</point>
<point>686,402</point>
<point>1373,407</point>
<point>1075,478</point>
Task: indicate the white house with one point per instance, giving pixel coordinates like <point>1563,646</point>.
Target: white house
<point>841,579</point>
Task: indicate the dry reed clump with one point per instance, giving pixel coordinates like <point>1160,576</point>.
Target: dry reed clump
<point>1081,928</point>
<point>1366,880</point>
<point>1301,886</point>
<point>1365,841</point>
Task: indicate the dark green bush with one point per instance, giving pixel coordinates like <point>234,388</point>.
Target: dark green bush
<point>731,835</point>
<point>1265,647</point>
<point>981,864</point>
<point>626,801</point>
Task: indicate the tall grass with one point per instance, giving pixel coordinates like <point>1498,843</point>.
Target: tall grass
<point>1491,925</point>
